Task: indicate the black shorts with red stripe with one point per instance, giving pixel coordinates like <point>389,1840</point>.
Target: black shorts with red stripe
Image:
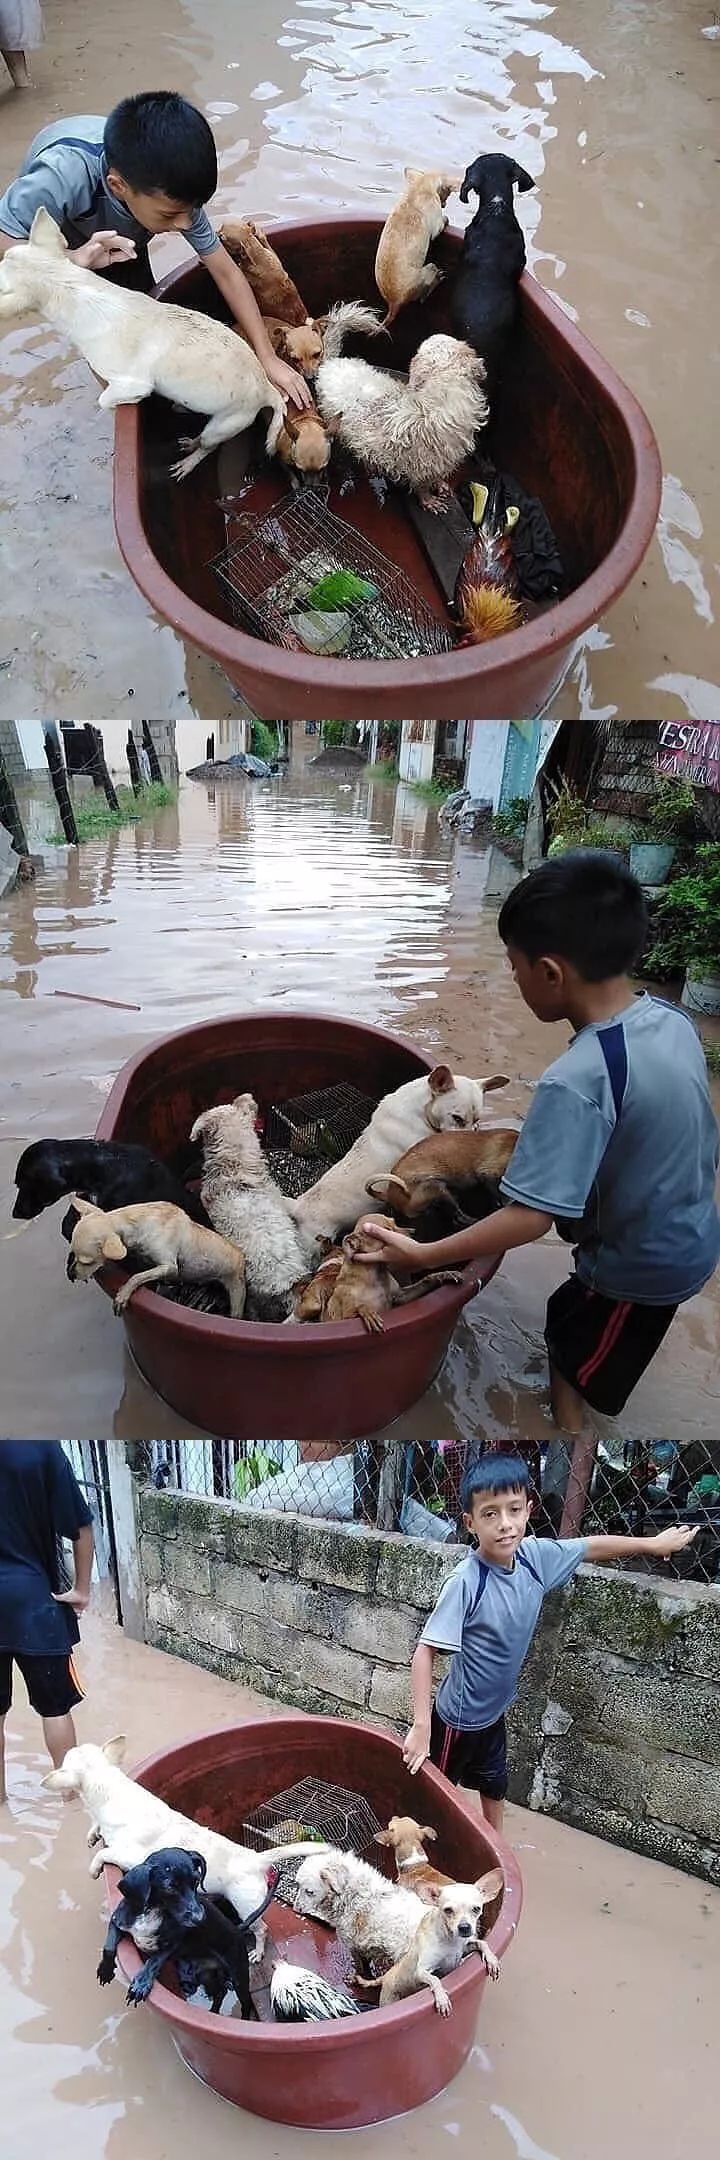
<point>52,1682</point>
<point>477,1760</point>
<point>602,1345</point>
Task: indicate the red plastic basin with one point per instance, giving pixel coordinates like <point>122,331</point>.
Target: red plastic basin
<point>252,1380</point>
<point>343,2075</point>
<point>563,423</point>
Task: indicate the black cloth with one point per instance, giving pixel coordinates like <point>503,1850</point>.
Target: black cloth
<point>602,1345</point>
<point>477,1760</point>
<point>534,548</point>
<point>40,1502</point>
<point>52,1683</point>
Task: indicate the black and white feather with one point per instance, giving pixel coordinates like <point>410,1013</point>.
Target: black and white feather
<point>301,1997</point>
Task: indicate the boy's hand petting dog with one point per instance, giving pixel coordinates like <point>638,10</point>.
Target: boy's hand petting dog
<point>416,1748</point>
<point>291,386</point>
<point>102,250</point>
<point>674,1540</point>
<point>402,1252</point>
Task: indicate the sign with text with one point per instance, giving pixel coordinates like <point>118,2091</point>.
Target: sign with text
<point>691,751</point>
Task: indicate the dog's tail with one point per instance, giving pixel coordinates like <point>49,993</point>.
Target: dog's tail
<point>350,317</point>
<point>379,1187</point>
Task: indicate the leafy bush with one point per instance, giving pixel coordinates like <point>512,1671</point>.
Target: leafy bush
<point>94,817</point>
<point>671,813</point>
<point>687,920</point>
<point>511,821</point>
<point>262,741</point>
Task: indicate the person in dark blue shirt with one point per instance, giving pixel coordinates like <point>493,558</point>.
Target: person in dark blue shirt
<point>40,1504</point>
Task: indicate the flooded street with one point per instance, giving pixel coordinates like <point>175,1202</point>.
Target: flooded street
<point>613,110</point>
<point>574,2056</point>
<point>316,891</point>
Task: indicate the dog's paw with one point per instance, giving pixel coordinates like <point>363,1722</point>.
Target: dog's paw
<point>106,1970</point>
<point>97,1863</point>
<point>442,2002</point>
<point>139,1988</point>
<point>94,1836</point>
<point>490,1962</point>
<point>256,1948</point>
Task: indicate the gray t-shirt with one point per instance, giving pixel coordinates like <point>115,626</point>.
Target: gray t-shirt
<point>488,1615</point>
<point>632,1187</point>
<point>64,173</point>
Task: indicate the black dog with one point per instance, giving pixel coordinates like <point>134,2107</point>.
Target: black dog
<point>170,1918</point>
<point>109,1173</point>
<point>484,301</point>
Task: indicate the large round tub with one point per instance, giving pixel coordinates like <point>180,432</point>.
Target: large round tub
<point>352,2072</point>
<point>245,1379</point>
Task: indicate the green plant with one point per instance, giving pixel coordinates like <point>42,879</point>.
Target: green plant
<point>671,813</point>
<point>263,743</point>
<point>567,820</point>
<point>436,791</point>
<point>687,920</point>
<point>94,817</point>
<point>511,821</point>
<point>337,734</point>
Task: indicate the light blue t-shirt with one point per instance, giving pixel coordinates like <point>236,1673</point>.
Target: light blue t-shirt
<point>65,173</point>
<point>488,1615</point>
<point>632,1186</point>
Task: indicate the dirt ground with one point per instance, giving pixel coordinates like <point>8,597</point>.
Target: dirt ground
<point>314,891</point>
<point>577,2052</point>
<point>612,108</point>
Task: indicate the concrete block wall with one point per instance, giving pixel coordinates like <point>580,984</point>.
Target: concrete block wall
<point>12,751</point>
<point>617,1724</point>
<point>163,735</point>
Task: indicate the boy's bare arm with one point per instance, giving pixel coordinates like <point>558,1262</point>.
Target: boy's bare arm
<point>83,1552</point>
<point>500,1233</point>
<point>663,1544</point>
<point>98,253</point>
<point>416,1747</point>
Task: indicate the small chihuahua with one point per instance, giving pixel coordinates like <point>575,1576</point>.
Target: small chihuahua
<point>402,272</point>
<point>448,1930</point>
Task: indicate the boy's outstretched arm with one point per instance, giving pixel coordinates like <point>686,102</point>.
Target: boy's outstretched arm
<point>663,1544</point>
<point>240,297</point>
<point>416,1746</point>
<point>500,1233</point>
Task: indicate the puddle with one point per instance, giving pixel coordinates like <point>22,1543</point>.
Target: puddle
<point>318,106</point>
<point>312,893</point>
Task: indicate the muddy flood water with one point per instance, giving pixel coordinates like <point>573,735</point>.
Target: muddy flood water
<point>575,2055</point>
<point>314,891</point>
<point>613,109</point>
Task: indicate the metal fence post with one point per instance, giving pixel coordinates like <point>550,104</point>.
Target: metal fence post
<point>122,1499</point>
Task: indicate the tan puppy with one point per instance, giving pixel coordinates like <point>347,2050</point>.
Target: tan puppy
<point>447,1931</point>
<point>299,344</point>
<point>161,1233</point>
<point>402,273</point>
<point>138,347</point>
<point>407,1839</point>
<point>449,1163</point>
<point>274,290</point>
<point>352,1291</point>
<point>303,442</point>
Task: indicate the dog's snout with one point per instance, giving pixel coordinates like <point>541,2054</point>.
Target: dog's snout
<point>466,1929</point>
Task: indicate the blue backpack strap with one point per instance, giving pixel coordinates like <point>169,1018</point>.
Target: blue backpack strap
<point>527,1563</point>
<point>614,1050</point>
<point>483,1572</point>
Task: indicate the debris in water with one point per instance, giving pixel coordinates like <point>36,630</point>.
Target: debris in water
<point>79,997</point>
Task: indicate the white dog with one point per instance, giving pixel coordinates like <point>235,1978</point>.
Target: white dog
<point>376,1918</point>
<point>414,433</point>
<point>129,1823</point>
<point>444,1102</point>
<point>137,345</point>
<point>245,1205</point>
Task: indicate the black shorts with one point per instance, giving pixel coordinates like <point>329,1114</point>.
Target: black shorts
<point>475,1759</point>
<point>52,1682</point>
<point>602,1345</point>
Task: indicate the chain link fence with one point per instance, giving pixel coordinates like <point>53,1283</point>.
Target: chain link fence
<point>413,1487</point>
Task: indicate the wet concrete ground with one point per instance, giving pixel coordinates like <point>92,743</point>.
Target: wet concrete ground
<point>601,2037</point>
<point>319,892</point>
<point>613,110</point>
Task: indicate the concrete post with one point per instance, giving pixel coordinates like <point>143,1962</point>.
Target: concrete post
<point>122,1499</point>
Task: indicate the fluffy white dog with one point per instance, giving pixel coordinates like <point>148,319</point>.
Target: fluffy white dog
<point>246,1206</point>
<point>138,345</point>
<point>413,432</point>
<point>376,1918</point>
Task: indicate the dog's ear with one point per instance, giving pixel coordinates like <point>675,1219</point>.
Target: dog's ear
<point>411,173</point>
<point>491,1885</point>
<point>441,1080</point>
<point>428,1835</point>
<point>333,1875</point>
<point>114,1750</point>
<point>84,1207</point>
<point>113,1248</point>
<point>45,234</point>
<point>200,1866</point>
<point>498,1080</point>
<point>383,1837</point>
<point>522,179</point>
<point>432,1892</point>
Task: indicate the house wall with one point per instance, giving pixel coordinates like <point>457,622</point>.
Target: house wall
<point>617,1724</point>
<point>417,749</point>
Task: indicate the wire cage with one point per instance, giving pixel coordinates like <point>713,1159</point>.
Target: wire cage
<point>272,563</point>
<point>301,1138</point>
<point>311,1810</point>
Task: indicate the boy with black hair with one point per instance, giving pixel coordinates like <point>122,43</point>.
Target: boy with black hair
<point>486,1616</point>
<point>620,1145</point>
<point>112,184</point>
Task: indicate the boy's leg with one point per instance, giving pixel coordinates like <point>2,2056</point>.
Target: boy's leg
<point>599,1347</point>
<point>568,1408</point>
<point>60,1735</point>
<point>53,1690</point>
<point>493,1811</point>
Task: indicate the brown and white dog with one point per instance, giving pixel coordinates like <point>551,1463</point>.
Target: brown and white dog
<point>438,1169</point>
<point>274,290</point>
<point>440,1101</point>
<point>449,1929</point>
<point>407,1840</point>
